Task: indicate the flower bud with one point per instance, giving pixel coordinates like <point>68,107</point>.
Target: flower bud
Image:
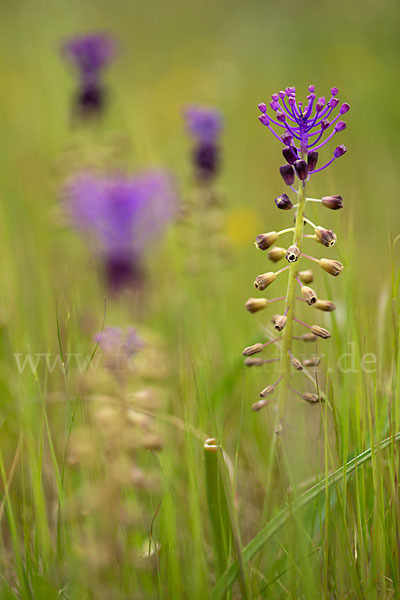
<point>312,160</point>
<point>276,254</point>
<point>254,362</point>
<point>310,397</point>
<point>339,151</point>
<point>309,295</point>
<point>275,97</point>
<point>326,237</point>
<point>306,276</point>
<point>253,305</point>
<point>262,107</point>
<point>333,102</point>
<point>325,305</point>
<point>274,318</point>
<point>287,174</point>
<point>333,202</point>
<point>280,116</point>
<point>344,108</point>
<point>265,240</point>
<point>264,119</point>
<point>311,88</point>
<point>308,337</point>
<point>282,94</point>
<point>290,155</point>
<point>308,362</point>
<point>334,91</point>
<point>292,254</point>
<point>266,391</point>
<point>320,104</point>
<point>340,126</point>
<point>287,138</point>
<point>283,202</point>
<point>274,105</point>
<point>301,169</point>
<point>280,322</point>
<point>320,332</point>
<point>324,124</point>
<point>254,349</point>
<point>259,405</point>
<point>264,280</point>
<point>333,267</point>
<point>296,363</point>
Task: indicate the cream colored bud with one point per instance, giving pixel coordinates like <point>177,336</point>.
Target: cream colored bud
<point>309,295</point>
<point>311,362</point>
<point>325,305</point>
<point>280,322</point>
<point>254,349</point>
<point>333,267</point>
<point>292,254</point>
<point>320,332</point>
<point>259,405</point>
<point>253,305</point>
<point>326,237</point>
<point>266,391</point>
<point>264,280</point>
<point>306,276</point>
<point>296,363</point>
<point>276,254</point>
<point>310,397</point>
<point>274,318</point>
<point>265,240</point>
<point>309,337</point>
<point>254,362</point>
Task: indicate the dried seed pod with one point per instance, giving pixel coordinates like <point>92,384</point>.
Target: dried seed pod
<point>264,280</point>
<point>311,362</point>
<point>326,237</point>
<point>254,349</point>
<point>253,305</point>
<point>320,332</point>
<point>292,254</point>
<point>325,305</point>
<point>310,397</point>
<point>309,295</point>
<point>333,202</point>
<point>266,240</point>
<point>254,362</point>
<point>296,363</point>
<point>259,405</point>
<point>333,267</point>
<point>283,202</point>
<point>276,254</point>
<point>280,322</point>
<point>306,276</point>
<point>266,391</point>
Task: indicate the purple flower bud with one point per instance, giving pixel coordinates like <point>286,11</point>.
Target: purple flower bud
<point>325,124</point>
<point>283,202</point>
<point>334,91</point>
<point>274,105</point>
<point>287,174</point>
<point>292,100</point>
<point>262,107</point>
<point>264,119</point>
<point>344,108</point>
<point>281,116</point>
<point>275,97</point>
<point>287,138</point>
<point>282,94</point>
<point>290,91</point>
<point>320,104</point>
<point>333,102</point>
<point>301,169</point>
<point>339,151</point>
<point>312,160</point>
<point>333,202</point>
<point>311,88</point>
<point>340,126</point>
<point>290,154</point>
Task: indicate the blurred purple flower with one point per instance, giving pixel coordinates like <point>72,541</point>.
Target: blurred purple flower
<point>121,216</point>
<point>114,342</point>
<point>205,126</point>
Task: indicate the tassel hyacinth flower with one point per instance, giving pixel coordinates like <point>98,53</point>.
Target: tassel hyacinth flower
<point>204,125</point>
<point>303,129</point>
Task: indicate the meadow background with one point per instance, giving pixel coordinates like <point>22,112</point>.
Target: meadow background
<point>81,514</point>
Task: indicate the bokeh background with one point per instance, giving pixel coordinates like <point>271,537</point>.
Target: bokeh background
<point>231,55</point>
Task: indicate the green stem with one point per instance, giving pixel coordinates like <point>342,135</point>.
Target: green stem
<point>286,344</point>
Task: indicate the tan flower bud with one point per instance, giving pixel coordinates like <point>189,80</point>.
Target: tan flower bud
<point>320,332</point>
<point>280,322</point>
<point>325,305</point>
<point>333,267</point>
<point>306,276</point>
<point>326,237</point>
<point>308,337</point>
<point>274,318</point>
<point>253,349</point>
<point>292,254</point>
<point>253,305</point>
<point>311,362</point>
<point>259,405</point>
<point>264,280</point>
<point>266,391</point>
<point>254,362</point>
<point>265,240</point>
<point>296,363</point>
<point>276,254</point>
<point>310,397</point>
<point>309,295</point>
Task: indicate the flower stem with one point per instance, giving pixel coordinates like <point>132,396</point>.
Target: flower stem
<point>290,301</point>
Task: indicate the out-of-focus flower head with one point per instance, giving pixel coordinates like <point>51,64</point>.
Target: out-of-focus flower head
<point>204,125</point>
<point>120,216</point>
<point>89,54</point>
<point>114,341</point>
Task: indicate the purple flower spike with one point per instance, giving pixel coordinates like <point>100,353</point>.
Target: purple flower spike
<point>120,217</point>
<point>204,124</point>
<point>339,151</point>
